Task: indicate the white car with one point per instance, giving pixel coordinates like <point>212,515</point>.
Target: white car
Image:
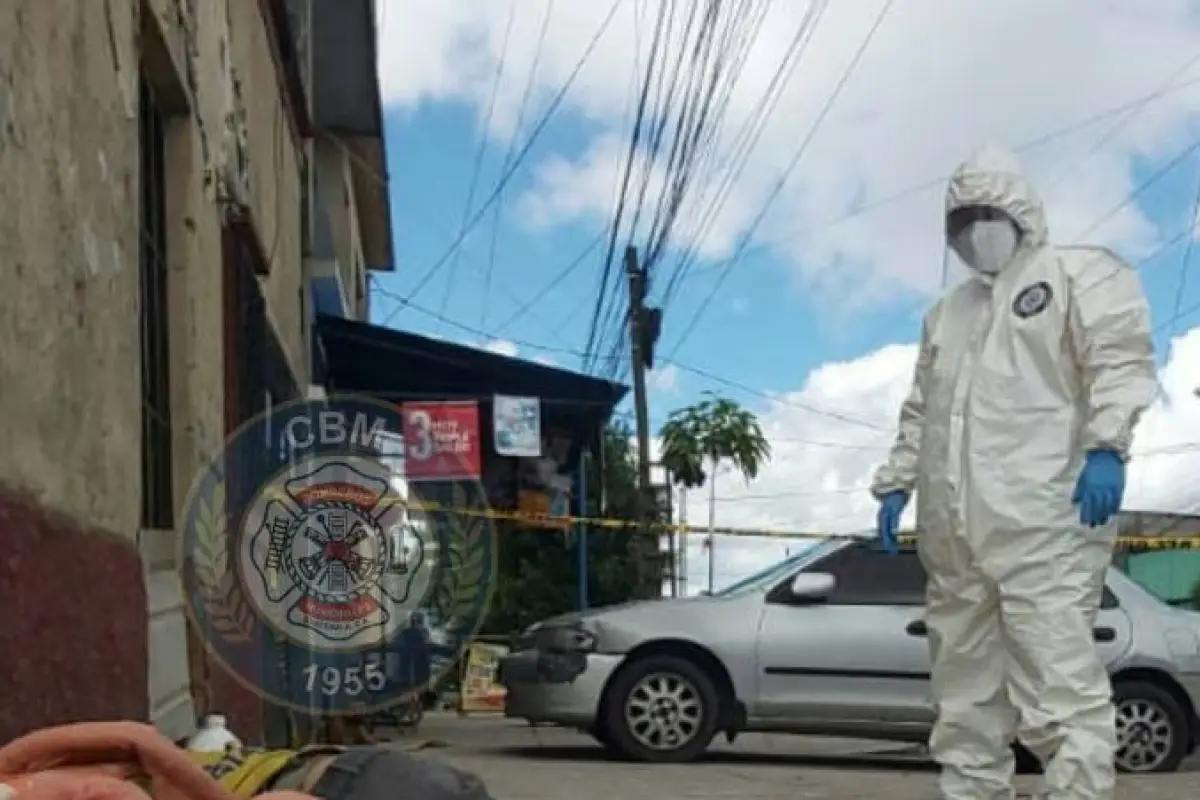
<point>830,642</point>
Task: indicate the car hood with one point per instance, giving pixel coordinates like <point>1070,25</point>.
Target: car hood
<point>619,628</point>
<point>631,609</point>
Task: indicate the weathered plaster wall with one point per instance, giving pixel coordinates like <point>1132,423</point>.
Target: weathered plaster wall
<point>73,641</point>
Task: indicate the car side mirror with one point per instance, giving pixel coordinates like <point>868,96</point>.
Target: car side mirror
<point>813,585</point>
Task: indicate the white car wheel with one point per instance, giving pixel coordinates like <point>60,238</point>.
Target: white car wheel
<point>661,708</point>
<point>664,711</point>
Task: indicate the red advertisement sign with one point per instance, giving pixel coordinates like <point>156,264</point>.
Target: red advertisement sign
<point>441,441</point>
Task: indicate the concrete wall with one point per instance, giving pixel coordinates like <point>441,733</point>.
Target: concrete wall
<point>73,641</point>
<point>333,163</point>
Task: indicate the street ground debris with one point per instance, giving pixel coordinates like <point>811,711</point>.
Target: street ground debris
<point>521,762</point>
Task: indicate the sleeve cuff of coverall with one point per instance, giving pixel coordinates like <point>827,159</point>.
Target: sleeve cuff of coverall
<point>1120,447</point>
<point>882,490</point>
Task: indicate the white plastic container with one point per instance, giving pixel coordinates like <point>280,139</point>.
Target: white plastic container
<point>214,736</point>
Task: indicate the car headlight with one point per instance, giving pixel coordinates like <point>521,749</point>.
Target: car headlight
<point>556,639</point>
<point>572,640</point>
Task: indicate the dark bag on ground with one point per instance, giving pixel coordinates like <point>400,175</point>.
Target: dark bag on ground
<point>368,772</point>
<point>384,773</point>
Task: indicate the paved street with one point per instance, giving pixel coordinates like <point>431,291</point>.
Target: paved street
<point>523,763</point>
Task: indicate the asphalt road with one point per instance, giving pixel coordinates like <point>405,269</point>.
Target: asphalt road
<point>523,763</point>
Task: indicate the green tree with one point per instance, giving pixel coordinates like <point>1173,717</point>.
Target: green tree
<point>539,567</point>
<point>696,440</point>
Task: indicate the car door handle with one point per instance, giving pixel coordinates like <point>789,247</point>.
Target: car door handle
<point>1104,634</point>
<point>917,628</point>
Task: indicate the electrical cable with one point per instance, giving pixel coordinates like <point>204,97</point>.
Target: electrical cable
<point>710,58</point>
<point>777,399</point>
<point>634,137</point>
<point>747,138</point>
<point>479,152</point>
<point>782,180</point>
<point>558,278</point>
<point>1136,104</point>
<point>498,209</point>
<point>1185,263</point>
<point>507,175</point>
<point>658,126</point>
<point>691,153</point>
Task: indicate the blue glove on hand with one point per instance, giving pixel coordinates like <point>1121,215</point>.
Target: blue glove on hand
<point>891,507</point>
<point>1100,488</point>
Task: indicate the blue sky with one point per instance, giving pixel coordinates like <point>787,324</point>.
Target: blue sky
<point>763,329</point>
<point>826,302</point>
<point>759,330</point>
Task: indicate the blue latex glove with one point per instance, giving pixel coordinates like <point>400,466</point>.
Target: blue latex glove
<point>891,507</point>
<point>1100,488</point>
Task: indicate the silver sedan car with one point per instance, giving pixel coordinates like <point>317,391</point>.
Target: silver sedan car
<point>830,642</point>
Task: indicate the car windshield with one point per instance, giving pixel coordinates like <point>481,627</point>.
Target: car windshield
<point>774,573</point>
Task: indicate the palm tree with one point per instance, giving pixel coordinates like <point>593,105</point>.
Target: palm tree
<point>697,439</point>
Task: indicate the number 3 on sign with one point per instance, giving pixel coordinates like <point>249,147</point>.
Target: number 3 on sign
<point>350,681</point>
<point>420,446</point>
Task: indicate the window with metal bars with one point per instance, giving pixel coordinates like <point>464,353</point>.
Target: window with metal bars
<point>157,495</point>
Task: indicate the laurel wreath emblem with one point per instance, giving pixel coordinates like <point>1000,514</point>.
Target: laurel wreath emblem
<point>462,581</point>
<point>229,613</point>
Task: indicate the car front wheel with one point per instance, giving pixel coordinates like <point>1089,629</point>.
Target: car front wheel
<point>1152,728</point>
<point>661,709</point>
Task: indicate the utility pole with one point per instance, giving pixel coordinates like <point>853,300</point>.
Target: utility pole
<point>644,326</point>
<point>681,555</point>
<point>712,527</point>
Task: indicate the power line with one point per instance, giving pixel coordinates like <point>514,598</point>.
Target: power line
<point>508,157</point>
<point>694,130</point>
<point>483,141</point>
<point>779,399</point>
<point>558,278</point>
<point>711,58</point>
<point>1134,104</point>
<point>1184,449</point>
<point>747,137</point>
<point>909,191</point>
<point>1186,262</point>
<point>634,137</point>
<point>404,302</point>
<point>507,175</point>
<point>779,184</point>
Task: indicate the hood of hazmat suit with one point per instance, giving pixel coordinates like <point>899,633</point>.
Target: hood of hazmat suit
<point>1022,369</point>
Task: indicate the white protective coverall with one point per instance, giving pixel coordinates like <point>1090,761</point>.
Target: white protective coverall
<point>1019,375</point>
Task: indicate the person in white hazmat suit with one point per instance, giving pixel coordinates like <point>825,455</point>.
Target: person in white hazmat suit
<point>1030,378</point>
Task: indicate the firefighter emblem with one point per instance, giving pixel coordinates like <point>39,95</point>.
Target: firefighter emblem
<point>330,558</point>
<point>318,574</point>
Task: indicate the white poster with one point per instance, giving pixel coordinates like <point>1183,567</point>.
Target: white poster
<point>518,426</point>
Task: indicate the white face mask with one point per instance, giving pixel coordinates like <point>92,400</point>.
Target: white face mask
<point>987,245</point>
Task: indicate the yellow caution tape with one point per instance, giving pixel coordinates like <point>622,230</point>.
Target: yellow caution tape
<point>1156,541</point>
<point>1144,541</point>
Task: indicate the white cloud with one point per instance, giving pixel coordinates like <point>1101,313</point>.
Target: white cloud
<point>938,80</point>
<point>507,347</point>
<point>502,347</point>
<point>816,480</point>
<point>664,379</point>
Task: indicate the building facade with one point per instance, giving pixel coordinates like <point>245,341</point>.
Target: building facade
<point>168,165</point>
